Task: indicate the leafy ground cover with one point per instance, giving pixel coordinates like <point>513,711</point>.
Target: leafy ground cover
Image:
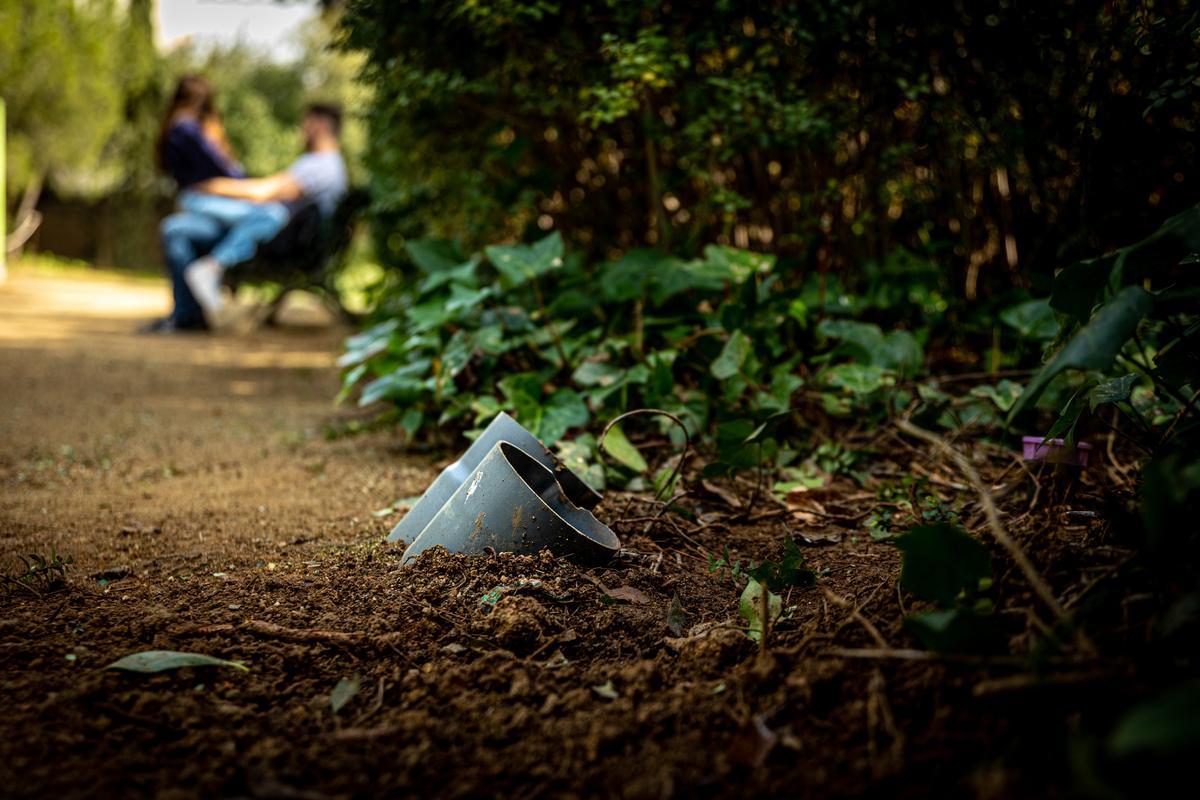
<point>776,376</point>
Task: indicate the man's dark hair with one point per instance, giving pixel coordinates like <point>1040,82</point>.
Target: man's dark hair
<point>327,111</point>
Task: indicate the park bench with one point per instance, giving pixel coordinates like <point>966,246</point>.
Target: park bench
<point>307,254</point>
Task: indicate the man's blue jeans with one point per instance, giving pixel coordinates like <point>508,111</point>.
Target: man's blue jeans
<point>225,228</point>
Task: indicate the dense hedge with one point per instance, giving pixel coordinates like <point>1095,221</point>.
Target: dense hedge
<point>1002,138</point>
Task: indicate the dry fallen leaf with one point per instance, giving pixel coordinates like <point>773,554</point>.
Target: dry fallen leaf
<point>628,594</point>
<point>804,518</point>
<point>821,537</point>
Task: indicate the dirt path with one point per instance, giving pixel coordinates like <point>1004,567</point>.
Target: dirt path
<point>205,446</point>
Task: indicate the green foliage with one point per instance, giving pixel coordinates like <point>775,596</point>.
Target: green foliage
<point>750,609</point>
<point>941,562</point>
<point>617,445</point>
<point>771,577</point>
<point>163,660</point>
<point>1115,323</point>
<point>841,133</point>
<point>37,573</point>
<point>866,345</point>
<point>1097,344</point>
<point>1081,286</point>
<point>60,67</point>
<point>948,567</point>
<point>559,343</point>
<point>1164,725</point>
<point>778,576</point>
<point>903,504</point>
<point>1032,319</point>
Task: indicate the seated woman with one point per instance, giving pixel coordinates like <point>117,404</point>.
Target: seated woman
<point>191,146</point>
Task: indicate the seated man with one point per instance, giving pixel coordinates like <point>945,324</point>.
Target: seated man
<point>223,220</point>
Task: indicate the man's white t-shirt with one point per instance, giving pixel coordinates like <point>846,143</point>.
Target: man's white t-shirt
<point>323,178</point>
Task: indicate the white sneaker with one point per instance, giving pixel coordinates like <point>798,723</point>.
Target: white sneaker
<point>203,277</point>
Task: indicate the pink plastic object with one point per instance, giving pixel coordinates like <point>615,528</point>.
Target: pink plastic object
<point>1055,451</point>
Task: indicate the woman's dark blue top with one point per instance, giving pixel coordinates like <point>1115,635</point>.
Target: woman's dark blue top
<point>189,157</point>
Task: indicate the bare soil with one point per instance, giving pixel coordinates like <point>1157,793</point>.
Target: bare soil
<point>191,482</point>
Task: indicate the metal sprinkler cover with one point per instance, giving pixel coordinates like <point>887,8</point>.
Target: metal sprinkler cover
<point>512,503</point>
<point>502,428</point>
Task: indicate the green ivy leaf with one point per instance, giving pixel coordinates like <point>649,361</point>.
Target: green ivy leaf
<point>564,410</point>
<point>856,379</point>
<point>617,445</point>
<point>1164,725</point>
<point>1096,345</point>
<point>733,356</point>
<point>597,373</point>
<point>1002,395</point>
<point>787,572</point>
<point>433,255</point>
<point>577,455</point>
<point>1078,287</point>
<point>162,660</point>
<point>738,265</point>
<point>520,263</point>
<point>429,315</point>
<point>464,299</point>
<point>674,277</point>
<point>462,275</point>
<point>749,608</point>
<point>1033,319</point>
<point>1116,390</point>
<point>941,561</point>
<point>401,384</point>
<point>957,630</point>
<point>344,692</point>
<point>866,344</point>
<point>627,279</point>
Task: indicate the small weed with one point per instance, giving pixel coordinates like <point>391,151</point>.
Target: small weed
<point>904,504</point>
<point>734,568</point>
<point>836,459</point>
<point>38,574</point>
<point>761,602</point>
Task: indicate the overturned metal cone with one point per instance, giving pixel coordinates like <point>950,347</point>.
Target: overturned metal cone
<point>512,503</point>
<point>502,428</point>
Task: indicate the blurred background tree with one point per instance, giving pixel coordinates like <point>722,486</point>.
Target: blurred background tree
<point>60,71</point>
<point>86,89</point>
<point>996,139</point>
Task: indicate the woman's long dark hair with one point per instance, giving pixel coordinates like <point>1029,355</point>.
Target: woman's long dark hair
<point>193,93</point>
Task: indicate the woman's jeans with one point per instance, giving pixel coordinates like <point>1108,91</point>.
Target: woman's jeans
<point>227,229</point>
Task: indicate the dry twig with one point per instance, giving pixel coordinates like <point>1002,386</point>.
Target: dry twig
<point>1040,587</point>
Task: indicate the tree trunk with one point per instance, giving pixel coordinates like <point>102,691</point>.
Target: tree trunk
<point>25,211</point>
